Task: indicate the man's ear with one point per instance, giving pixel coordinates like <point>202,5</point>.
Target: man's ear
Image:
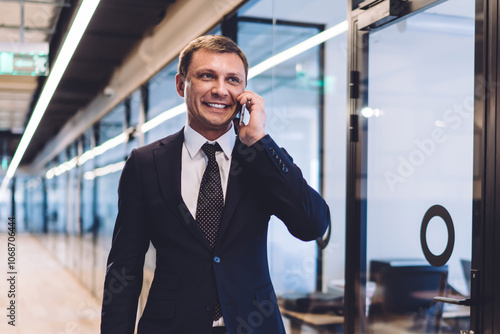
<point>179,84</point>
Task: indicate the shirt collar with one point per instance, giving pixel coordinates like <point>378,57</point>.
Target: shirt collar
<point>194,141</point>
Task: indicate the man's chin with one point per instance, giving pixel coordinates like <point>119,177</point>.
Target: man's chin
<point>222,125</point>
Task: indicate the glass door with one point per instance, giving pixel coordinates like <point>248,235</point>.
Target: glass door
<point>411,177</point>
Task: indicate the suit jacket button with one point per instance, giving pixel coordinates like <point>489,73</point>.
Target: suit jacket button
<point>217,259</point>
<point>209,308</point>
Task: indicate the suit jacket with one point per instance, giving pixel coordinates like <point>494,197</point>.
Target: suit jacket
<point>189,274</point>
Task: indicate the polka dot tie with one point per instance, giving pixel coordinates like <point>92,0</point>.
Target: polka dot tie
<point>210,202</point>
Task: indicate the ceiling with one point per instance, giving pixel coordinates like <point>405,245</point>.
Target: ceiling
<point>116,27</point>
<point>24,23</point>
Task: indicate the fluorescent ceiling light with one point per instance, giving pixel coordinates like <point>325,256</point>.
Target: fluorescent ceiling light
<point>78,27</point>
<point>298,49</point>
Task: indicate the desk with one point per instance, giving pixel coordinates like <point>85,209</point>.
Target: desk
<point>323,323</point>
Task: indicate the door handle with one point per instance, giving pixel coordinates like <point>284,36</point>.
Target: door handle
<point>466,301</point>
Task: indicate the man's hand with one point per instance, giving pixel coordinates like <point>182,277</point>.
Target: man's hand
<point>252,132</point>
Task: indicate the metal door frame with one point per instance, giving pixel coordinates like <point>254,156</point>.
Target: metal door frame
<point>371,15</point>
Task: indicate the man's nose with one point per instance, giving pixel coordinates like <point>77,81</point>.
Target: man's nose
<point>220,88</point>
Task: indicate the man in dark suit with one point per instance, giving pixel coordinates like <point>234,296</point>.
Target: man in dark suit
<point>204,197</point>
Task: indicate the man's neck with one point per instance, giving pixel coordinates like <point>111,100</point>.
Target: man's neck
<point>211,135</point>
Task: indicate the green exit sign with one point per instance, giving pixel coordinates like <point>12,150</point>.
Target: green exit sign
<point>27,64</point>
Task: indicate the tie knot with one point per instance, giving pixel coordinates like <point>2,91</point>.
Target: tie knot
<point>210,150</point>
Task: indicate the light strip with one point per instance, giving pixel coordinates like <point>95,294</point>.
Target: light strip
<point>181,108</point>
<point>56,171</point>
<point>90,154</point>
<point>78,27</point>
<point>107,145</point>
<point>112,168</point>
<point>297,49</point>
<point>164,116</point>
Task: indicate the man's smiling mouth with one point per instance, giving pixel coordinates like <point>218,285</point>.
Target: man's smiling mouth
<point>216,105</point>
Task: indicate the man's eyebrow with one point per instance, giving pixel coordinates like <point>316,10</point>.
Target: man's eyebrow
<point>237,74</point>
<point>205,69</point>
<point>211,70</point>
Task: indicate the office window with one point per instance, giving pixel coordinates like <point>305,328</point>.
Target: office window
<point>71,193</point>
<point>51,204</point>
<point>135,102</point>
<point>87,191</point>
<point>134,117</point>
<point>106,180</point>
<point>56,193</point>
<point>29,199</point>
<point>305,98</point>
<point>162,98</point>
<point>292,107</point>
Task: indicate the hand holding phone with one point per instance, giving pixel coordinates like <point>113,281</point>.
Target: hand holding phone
<point>254,129</point>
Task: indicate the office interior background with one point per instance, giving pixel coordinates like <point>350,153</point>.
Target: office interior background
<point>388,107</point>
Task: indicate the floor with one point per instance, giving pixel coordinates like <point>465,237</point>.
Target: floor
<point>48,298</point>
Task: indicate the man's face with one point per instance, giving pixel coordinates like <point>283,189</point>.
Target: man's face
<point>210,88</point>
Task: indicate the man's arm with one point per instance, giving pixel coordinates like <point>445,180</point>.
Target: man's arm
<point>288,196</point>
<point>300,207</point>
<point>124,274</point>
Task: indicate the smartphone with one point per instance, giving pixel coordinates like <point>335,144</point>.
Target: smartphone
<point>240,113</point>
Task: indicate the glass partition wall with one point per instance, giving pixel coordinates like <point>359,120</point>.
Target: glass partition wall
<point>303,84</point>
<point>414,168</point>
<point>420,151</point>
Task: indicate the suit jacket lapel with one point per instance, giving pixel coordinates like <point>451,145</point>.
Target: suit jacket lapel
<point>168,160</point>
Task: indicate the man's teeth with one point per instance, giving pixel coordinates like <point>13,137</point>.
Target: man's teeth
<point>216,105</point>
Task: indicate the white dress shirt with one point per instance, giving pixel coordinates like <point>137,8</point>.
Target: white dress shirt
<point>194,162</point>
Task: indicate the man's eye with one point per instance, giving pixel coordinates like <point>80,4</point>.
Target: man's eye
<point>234,79</point>
<point>207,75</point>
